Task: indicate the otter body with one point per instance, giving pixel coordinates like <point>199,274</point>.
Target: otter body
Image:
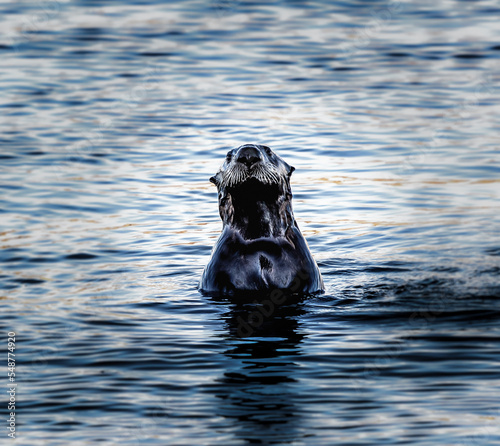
<point>261,247</point>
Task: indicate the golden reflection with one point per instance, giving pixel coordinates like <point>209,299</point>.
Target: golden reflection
<point>487,181</point>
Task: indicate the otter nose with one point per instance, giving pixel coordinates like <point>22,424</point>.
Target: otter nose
<point>249,156</point>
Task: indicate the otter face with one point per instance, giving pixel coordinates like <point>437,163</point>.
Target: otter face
<point>252,162</point>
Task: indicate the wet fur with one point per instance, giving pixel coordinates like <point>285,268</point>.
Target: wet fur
<point>260,247</point>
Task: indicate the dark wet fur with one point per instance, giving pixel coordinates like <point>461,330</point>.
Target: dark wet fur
<point>261,248</point>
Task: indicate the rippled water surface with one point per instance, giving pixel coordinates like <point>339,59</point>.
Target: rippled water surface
<point>113,117</point>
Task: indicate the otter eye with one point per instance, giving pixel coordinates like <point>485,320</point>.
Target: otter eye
<point>267,150</point>
<point>229,155</point>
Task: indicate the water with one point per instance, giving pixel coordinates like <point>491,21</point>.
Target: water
<point>112,120</point>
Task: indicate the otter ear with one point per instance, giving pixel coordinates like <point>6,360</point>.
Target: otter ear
<point>213,180</point>
<point>290,170</point>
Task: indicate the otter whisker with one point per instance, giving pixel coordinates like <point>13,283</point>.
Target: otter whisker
<point>234,175</point>
<point>267,174</point>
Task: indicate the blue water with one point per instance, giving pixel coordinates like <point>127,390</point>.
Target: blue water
<point>113,118</point>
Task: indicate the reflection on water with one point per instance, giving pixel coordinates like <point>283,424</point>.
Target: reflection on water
<point>113,118</point>
<point>258,389</point>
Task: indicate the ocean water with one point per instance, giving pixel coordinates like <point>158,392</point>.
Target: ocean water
<point>113,118</point>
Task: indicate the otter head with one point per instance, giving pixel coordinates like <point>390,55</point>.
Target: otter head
<point>254,192</point>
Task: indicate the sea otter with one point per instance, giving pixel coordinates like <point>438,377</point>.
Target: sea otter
<point>261,248</point>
